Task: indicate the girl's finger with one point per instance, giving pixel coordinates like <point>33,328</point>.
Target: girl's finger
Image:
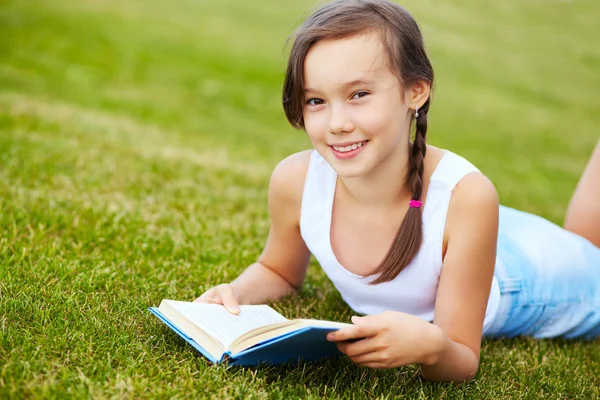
<point>352,332</point>
<point>228,299</point>
<point>355,349</point>
<point>206,297</point>
<point>213,299</point>
<point>368,358</point>
<point>374,365</point>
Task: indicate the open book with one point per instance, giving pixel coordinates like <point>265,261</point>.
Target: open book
<point>258,334</point>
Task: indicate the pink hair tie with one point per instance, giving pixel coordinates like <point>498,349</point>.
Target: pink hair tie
<point>415,204</point>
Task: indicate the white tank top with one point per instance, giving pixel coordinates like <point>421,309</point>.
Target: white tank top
<point>414,290</point>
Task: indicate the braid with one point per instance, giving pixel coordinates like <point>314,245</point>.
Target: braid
<point>410,234</point>
<point>417,156</point>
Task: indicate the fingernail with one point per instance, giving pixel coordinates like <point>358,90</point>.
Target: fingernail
<point>355,318</point>
<point>330,336</point>
<point>234,310</point>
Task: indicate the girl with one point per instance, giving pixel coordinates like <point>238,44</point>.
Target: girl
<point>411,235</point>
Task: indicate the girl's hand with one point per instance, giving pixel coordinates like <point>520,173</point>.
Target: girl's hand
<point>390,340</point>
<point>221,294</point>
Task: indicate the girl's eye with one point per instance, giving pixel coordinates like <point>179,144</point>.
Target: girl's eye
<point>358,95</point>
<point>314,102</point>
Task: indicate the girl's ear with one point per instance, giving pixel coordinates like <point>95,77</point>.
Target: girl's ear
<point>419,93</point>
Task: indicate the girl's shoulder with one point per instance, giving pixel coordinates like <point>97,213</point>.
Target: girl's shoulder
<point>287,180</point>
<point>464,178</point>
<point>445,165</point>
<point>471,195</point>
<point>469,185</point>
<point>474,205</point>
<point>292,169</point>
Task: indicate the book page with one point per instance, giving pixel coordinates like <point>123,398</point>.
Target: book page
<point>223,326</point>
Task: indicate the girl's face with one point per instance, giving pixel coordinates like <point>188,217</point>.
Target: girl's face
<point>354,111</point>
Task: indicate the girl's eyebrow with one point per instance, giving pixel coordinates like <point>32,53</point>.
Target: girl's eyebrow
<point>357,82</point>
<point>347,85</point>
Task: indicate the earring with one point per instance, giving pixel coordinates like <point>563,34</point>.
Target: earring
<point>416,112</point>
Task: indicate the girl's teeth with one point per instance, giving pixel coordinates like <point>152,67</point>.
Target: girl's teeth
<point>349,148</point>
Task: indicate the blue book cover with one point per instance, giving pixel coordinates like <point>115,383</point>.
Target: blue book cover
<point>306,343</point>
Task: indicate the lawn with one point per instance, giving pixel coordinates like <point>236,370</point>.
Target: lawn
<point>136,144</point>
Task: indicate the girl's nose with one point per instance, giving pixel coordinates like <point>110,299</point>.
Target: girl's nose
<point>340,121</point>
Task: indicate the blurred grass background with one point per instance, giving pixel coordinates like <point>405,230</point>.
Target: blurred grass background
<point>136,143</point>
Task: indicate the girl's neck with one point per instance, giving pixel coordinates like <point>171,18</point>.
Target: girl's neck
<point>386,184</point>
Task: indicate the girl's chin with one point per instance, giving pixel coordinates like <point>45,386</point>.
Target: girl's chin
<point>347,170</point>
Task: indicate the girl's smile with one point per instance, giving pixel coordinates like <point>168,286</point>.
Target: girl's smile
<point>348,150</point>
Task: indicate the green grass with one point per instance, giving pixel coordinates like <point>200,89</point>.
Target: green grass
<point>136,143</point>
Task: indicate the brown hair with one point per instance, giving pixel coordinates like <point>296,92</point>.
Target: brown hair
<point>406,55</point>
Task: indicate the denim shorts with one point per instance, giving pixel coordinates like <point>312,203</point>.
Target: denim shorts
<point>549,280</point>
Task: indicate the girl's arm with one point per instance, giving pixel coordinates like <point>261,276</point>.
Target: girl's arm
<point>448,349</point>
<point>281,268</point>
<point>471,238</point>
